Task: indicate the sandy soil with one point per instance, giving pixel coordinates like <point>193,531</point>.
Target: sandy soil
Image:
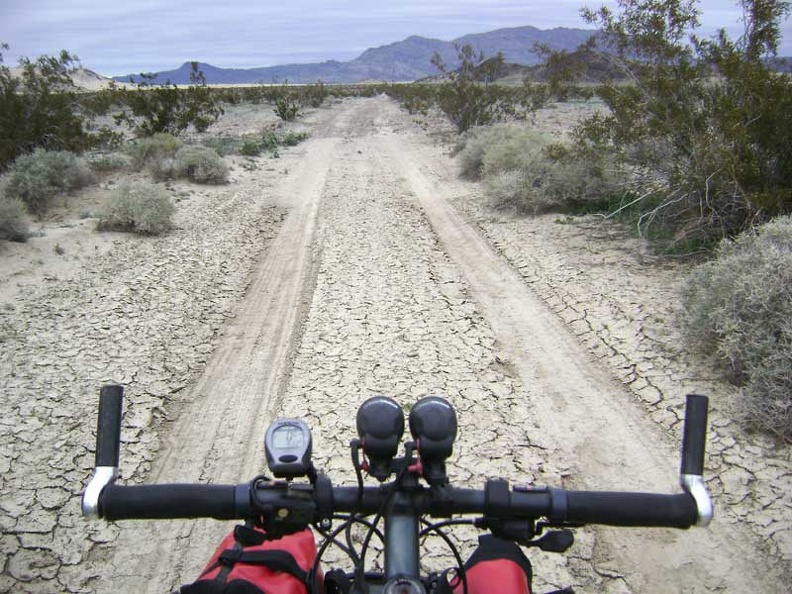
<point>359,263</point>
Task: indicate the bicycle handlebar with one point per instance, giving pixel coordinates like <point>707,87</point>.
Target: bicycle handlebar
<point>559,506</point>
<point>288,506</point>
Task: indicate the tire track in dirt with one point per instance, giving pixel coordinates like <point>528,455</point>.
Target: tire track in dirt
<point>586,416</point>
<point>218,435</point>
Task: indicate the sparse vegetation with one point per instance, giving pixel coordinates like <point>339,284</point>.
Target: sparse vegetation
<point>36,179</point>
<point>739,308</point>
<point>142,208</point>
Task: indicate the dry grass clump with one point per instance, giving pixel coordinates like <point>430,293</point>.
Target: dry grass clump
<point>37,178</point>
<point>142,208</point>
<point>739,307</point>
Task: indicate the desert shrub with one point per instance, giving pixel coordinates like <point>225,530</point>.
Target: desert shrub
<point>524,171</point>
<point>224,145</point>
<point>149,150</point>
<point>269,142</point>
<point>151,108</point>
<point>472,144</point>
<point>739,307</point>
<point>314,95</point>
<point>516,148</point>
<point>108,161</point>
<point>287,108</point>
<point>201,164</point>
<point>704,122</point>
<point>13,219</point>
<point>140,208</point>
<point>36,179</point>
<point>516,189</point>
<point>293,138</point>
<point>39,108</point>
<point>250,148</point>
<point>468,99</point>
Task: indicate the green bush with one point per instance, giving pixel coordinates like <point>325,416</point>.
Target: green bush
<point>314,95</point>
<point>739,307</point>
<point>13,219</point>
<point>36,179</point>
<point>201,164</point>
<point>704,122</point>
<point>140,208</point>
<point>287,108</point>
<point>39,108</point>
<point>250,148</point>
<point>270,142</point>
<point>151,108</point>
<point>293,138</point>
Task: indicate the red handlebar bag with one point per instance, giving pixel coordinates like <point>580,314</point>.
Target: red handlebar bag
<point>496,566</point>
<point>243,564</point>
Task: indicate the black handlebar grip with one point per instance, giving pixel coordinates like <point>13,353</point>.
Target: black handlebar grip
<point>694,435</point>
<point>162,502</point>
<point>631,509</point>
<point>108,428</point>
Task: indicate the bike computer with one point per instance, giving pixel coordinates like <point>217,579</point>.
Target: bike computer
<point>288,448</point>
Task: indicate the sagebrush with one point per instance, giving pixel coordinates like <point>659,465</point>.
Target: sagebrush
<point>525,171</point>
<point>37,178</point>
<point>739,308</point>
<point>152,149</point>
<point>142,208</point>
<point>200,164</point>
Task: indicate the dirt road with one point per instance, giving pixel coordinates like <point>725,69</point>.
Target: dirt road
<point>376,284</point>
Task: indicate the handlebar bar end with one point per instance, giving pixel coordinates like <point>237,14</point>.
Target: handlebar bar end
<point>102,476</point>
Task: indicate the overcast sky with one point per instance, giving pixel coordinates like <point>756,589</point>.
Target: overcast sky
<point>130,36</point>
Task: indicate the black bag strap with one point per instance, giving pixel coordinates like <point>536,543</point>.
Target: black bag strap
<point>282,561</point>
<point>276,560</point>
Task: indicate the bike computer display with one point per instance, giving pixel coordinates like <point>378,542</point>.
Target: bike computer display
<point>288,448</point>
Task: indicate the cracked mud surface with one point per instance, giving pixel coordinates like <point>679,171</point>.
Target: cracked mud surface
<point>359,264</point>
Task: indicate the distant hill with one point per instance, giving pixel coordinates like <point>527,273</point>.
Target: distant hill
<point>405,60</point>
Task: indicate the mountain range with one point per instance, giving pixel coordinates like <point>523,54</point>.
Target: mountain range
<point>405,60</point>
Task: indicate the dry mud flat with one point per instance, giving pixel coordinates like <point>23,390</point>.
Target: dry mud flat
<point>375,282</point>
